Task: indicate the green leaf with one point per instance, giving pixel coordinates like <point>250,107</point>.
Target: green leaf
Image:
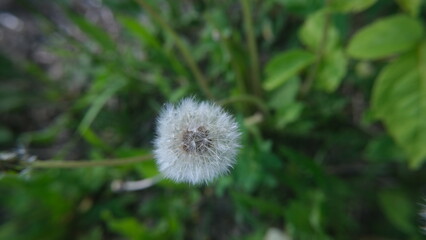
<point>398,209</point>
<point>108,86</point>
<point>386,37</point>
<point>285,94</point>
<point>312,31</point>
<point>346,6</point>
<point>305,216</point>
<point>283,101</point>
<point>270,207</point>
<point>94,139</point>
<point>332,70</point>
<point>6,135</point>
<point>302,6</point>
<point>412,7</point>
<point>146,168</point>
<point>421,65</point>
<point>383,149</point>
<point>128,227</point>
<point>140,31</point>
<point>288,114</point>
<point>399,99</point>
<point>48,134</point>
<point>151,42</point>
<point>98,103</point>
<point>285,66</point>
<point>13,97</point>
<point>94,32</point>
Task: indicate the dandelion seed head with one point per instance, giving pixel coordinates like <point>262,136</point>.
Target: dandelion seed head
<point>196,141</point>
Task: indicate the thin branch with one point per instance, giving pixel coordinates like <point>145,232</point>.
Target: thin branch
<point>182,47</point>
<point>239,73</point>
<point>88,163</point>
<point>251,41</point>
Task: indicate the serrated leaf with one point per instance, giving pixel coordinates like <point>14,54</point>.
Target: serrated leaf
<point>312,31</point>
<point>386,37</point>
<point>331,71</point>
<point>346,6</point>
<point>284,66</point>
<point>399,99</point>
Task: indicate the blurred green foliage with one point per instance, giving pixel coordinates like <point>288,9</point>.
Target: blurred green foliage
<point>333,144</point>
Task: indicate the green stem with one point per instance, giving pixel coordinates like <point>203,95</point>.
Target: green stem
<point>251,41</point>
<point>182,47</point>
<point>306,87</point>
<point>88,163</point>
<point>249,99</point>
<point>239,72</point>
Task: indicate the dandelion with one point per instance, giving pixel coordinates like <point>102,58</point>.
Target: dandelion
<point>196,141</point>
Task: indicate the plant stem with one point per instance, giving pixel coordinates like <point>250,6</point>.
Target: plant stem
<point>88,163</point>
<point>182,47</point>
<point>235,63</point>
<point>251,41</point>
<point>306,87</point>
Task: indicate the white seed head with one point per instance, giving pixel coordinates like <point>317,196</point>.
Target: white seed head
<point>196,141</point>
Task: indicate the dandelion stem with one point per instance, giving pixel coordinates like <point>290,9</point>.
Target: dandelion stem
<point>251,41</point>
<point>182,47</point>
<point>238,70</point>
<point>88,163</point>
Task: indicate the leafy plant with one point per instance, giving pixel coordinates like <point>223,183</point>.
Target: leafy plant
<point>329,94</point>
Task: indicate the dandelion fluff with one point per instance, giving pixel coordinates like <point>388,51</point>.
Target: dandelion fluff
<point>196,141</point>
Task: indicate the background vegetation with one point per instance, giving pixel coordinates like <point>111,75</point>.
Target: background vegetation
<point>330,95</point>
